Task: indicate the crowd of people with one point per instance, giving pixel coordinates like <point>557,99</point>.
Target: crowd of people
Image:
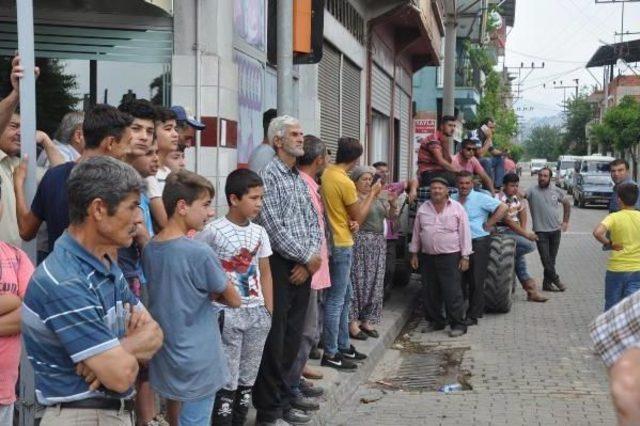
<point>143,301</point>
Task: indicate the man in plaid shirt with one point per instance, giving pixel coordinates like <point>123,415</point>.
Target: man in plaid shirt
<point>616,334</point>
<point>291,222</point>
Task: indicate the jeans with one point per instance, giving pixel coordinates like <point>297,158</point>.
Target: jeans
<point>476,274</point>
<point>548,244</point>
<point>618,285</point>
<point>442,282</point>
<point>494,166</point>
<point>270,391</point>
<point>523,248</point>
<point>338,298</point>
<point>197,413</point>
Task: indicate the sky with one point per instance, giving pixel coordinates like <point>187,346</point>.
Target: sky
<point>563,34</point>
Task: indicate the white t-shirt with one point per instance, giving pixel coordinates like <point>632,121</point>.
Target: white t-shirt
<point>155,184</point>
<point>239,248</point>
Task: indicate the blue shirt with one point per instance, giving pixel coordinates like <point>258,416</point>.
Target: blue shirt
<point>72,311</point>
<point>613,202</point>
<point>479,206</point>
<point>51,204</point>
<point>182,273</point>
<point>129,257</point>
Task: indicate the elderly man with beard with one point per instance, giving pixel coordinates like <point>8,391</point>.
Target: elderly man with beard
<point>543,202</point>
<point>442,236</point>
<point>291,222</point>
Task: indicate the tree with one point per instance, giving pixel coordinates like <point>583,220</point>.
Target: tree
<point>157,88</point>
<point>544,142</point>
<point>54,97</point>
<point>578,113</point>
<point>492,106</point>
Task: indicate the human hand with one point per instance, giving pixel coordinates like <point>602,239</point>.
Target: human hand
<point>564,226</point>
<point>42,138</point>
<point>413,195</point>
<point>20,172</point>
<point>376,188</point>
<point>299,275</point>
<point>463,265</point>
<point>89,376</point>
<point>616,246</point>
<point>531,236</point>
<point>415,263</point>
<point>354,226</point>
<point>314,264</point>
<point>17,72</point>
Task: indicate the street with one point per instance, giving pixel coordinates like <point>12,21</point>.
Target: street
<point>531,366</point>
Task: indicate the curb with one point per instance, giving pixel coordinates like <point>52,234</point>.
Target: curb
<point>339,387</point>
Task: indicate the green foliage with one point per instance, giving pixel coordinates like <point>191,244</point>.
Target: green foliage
<point>516,151</point>
<point>544,142</point>
<point>54,88</point>
<point>492,105</point>
<point>623,122</point>
<point>602,135</point>
<point>578,113</point>
<point>479,57</point>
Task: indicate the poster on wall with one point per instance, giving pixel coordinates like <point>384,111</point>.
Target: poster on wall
<point>424,126</point>
<point>249,22</point>
<point>250,91</point>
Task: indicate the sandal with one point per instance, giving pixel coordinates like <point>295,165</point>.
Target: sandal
<point>360,336</point>
<point>370,333</point>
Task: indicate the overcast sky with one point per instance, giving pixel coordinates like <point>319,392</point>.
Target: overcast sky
<point>564,34</point>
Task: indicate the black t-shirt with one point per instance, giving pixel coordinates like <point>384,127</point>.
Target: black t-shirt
<point>51,203</point>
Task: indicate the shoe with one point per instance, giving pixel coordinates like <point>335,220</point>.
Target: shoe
<point>338,362</point>
<point>457,332</point>
<point>296,417</point>
<point>533,295</point>
<point>311,374</point>
<point>353,354</point>
<point>561,287</point>
<point>432,327</point>
<point>360,335</point>
<point>470,321</point>
<point>310,390</point>
<point>548,286</point>
<point>370,333</point>
<point>278,422</point>
<point>301,402</point>
<point>315,353</point>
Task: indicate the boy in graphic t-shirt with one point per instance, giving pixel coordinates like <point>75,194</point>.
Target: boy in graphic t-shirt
<point>15,271</point>
<point>243,249</point>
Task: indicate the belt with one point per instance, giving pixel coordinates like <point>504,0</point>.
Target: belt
<point>100,404</point>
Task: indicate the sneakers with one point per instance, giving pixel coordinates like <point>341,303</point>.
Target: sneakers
<point>353,354</point>
<point>301,402</point>
<point>309,390</point>
<point>296,417</point>
<point>315,353</point>
<point>338,362</point>
<point>470,321</point>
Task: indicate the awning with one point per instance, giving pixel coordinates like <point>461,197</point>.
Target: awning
<point>629,51</point>
<point>416,36</point>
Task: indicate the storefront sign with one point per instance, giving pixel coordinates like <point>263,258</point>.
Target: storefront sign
<point>250,90</point>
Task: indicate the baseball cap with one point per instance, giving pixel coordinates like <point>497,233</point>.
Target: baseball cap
<point>181,115</point>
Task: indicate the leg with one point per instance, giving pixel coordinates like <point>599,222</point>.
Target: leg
<point>554,246</point>
<point>498,170</point>
<point>197,413</point>
<point>339,267</point>
<point>523,247</point>
<point>613,288</point>
<point>390,270</point>
<point>6,414</point>
<point>431,290</point>
<point>233,339</point>
<point>308,340</point>
<point>632,284</point>
<point>267,396</point>
<point>450,282</point>
<point>145,399</point>
<point>544,251</point>
<point>372,314</point>
<point>476,275</point>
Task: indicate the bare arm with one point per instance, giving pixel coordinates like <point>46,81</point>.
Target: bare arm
<point>10,306</point>
<point>625,387</point>
<point>28,223</point>
<point>497,215</point>
<point>359,210</point>
<point>144,335</point>
<point>230,296</point>
<point>266,281</point>
<point>115,368</point>
<point>54,156</point>
<point>439,158</point>
<point>566,210</point>
<point>9,302</point>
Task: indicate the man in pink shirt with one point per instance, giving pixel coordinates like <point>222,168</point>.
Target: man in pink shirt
<point>442,239</point>
<point>311,165</point>
<point>466,160</point>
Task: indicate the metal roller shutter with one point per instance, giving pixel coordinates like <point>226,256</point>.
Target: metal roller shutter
<point>405,136</point>
<point>350,111</point>
<point>329,95</point>
<point>380,90</point>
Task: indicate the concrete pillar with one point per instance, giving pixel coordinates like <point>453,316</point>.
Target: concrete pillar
<point>448,95</point>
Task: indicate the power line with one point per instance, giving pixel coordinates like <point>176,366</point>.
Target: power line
<point>528,55</point>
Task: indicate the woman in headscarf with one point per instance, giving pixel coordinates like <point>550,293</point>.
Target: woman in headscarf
<point>369,258</point>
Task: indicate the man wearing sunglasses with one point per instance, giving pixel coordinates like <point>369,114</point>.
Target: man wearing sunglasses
<point>466,160</point>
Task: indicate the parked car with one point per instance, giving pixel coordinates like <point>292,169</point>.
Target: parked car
<point>537,164</point>
<point>563,165</point>
<point>592,188</point>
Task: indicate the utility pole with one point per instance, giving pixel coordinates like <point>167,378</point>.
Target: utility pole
<point>564,91</point>
<point>448,91</point>
<point>285,57</point>
<point>521,79</point>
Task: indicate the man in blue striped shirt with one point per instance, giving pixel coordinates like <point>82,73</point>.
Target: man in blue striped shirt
<point>84,331</point>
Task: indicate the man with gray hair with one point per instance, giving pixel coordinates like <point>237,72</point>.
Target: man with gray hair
<point>84,331</point>
<point>291,222</point>
<point>68,139</point>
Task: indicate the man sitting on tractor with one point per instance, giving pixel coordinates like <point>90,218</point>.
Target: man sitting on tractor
<point>434,155</point>
<point>466,160</point>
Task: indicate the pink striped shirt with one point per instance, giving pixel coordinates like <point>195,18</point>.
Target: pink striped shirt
<point>441,233</point>
<point>321,279</point>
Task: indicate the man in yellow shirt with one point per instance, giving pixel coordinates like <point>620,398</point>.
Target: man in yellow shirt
<point>623,227</point>
<point>342,206</point>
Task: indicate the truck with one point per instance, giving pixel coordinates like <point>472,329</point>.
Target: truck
<point>563,165</point>
<point>537,164</point>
